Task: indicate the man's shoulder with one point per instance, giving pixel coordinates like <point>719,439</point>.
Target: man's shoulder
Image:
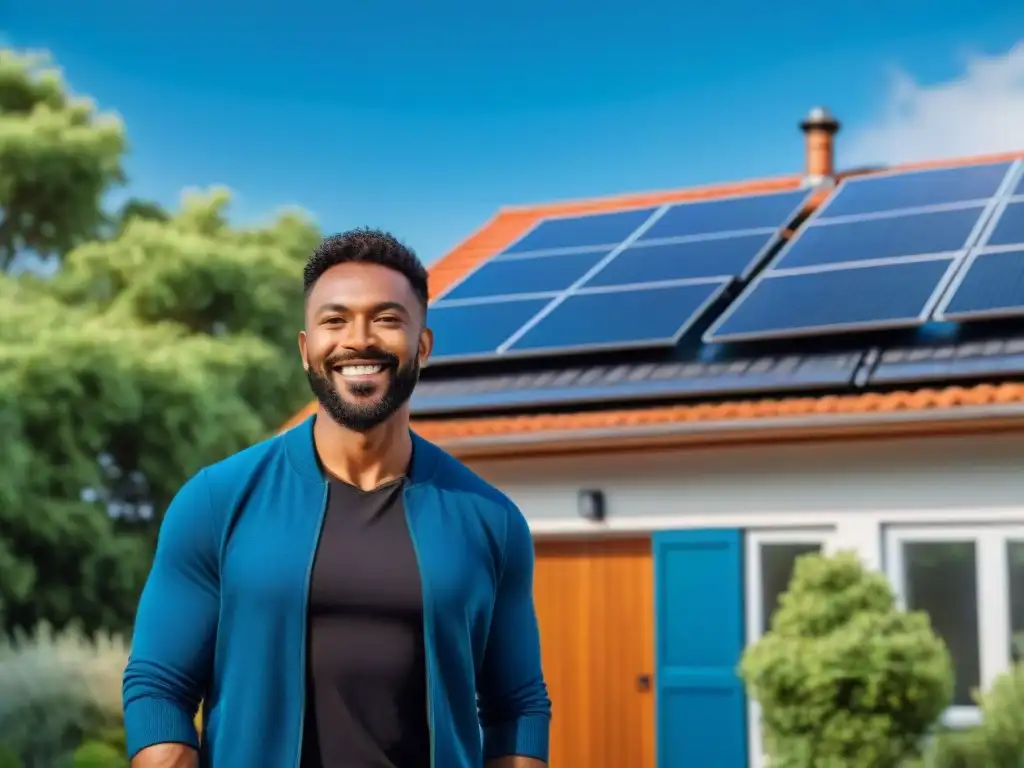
<point>246,461</point>
<point>456,477</point>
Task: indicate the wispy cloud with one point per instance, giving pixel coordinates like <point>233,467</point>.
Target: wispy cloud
<point>980,111</point>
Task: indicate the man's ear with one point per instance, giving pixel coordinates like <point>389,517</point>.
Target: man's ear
<point>302,349</point>
<point>426,345</point>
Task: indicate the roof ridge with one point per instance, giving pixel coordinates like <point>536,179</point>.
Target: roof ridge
<point>713,189</point>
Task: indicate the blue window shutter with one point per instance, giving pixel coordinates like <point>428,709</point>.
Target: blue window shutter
<point>699,626</point>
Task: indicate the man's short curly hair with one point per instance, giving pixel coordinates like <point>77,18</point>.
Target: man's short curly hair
<point>367,246</point>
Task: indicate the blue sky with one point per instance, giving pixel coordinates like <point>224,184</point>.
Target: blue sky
<point>425,118</point>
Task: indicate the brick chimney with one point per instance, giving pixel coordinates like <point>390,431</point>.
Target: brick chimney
<point>819,129</point>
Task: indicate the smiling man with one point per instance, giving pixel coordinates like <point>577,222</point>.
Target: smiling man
<point>344,595</point>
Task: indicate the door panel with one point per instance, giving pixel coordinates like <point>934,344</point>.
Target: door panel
<point>699,605</point>
<point>595,607</point>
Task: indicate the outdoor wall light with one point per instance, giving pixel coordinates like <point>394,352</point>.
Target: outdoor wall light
<point>590,505</point>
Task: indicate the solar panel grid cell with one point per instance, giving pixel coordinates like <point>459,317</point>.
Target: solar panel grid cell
<point>889,237</point>
<point>688,259</point>
<point>537,274</point>
<point>813,302</point>
<point>644,317</point>
<point>582,231</point>
<point>916,189</point>
<point>1009,228</point>
<point>993,285</point>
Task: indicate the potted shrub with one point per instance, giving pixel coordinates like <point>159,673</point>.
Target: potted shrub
<point>843,677</point>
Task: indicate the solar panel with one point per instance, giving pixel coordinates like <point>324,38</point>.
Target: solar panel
<point>470,330</point>
<point>876,296</point>
<point>916,189</point>
<point>685,260</point>
<point>734,214</point>
<point>877,254</point>
<point>581,231</point>
<point>890,237</point>
<point>623,280</point>
<point>990,283</point>
<point>539,274</point>
<point>633,382</point>
<point>652,316</point>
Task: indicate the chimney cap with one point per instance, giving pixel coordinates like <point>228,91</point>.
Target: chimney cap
<point>819,118</point>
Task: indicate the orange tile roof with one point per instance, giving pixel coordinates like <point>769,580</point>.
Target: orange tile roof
<point>512,222</point>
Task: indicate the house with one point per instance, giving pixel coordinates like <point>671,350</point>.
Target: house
<point>688,389</point>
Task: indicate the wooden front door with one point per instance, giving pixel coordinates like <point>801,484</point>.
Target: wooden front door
<point>595,605</point>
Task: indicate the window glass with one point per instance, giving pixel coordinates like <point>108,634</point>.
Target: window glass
<point>777,562</point>
<point>1015,563</point>
<point>941,578</point>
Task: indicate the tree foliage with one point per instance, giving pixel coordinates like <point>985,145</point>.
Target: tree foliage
<point>844,678</point>
<point>58,156</point>
<point>165,341</point>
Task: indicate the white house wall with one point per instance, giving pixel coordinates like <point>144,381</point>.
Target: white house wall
<point>852,487</point>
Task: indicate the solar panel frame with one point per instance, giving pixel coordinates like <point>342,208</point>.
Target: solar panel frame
<point>1011,192</point>
<point>820,218</point>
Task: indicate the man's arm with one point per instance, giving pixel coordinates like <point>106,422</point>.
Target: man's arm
<point>175,630</point>
<point>515,711</point>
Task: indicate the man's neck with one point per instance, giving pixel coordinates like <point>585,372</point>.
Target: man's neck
<point>364,459</point>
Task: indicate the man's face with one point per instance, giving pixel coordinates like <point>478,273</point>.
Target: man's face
<point>364,343</point>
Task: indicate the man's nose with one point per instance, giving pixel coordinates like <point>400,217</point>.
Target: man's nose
<point>359,335</point>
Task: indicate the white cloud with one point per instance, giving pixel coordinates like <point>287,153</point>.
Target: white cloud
<point>979,112</point>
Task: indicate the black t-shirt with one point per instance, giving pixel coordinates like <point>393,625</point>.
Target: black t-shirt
<point>366,692</point>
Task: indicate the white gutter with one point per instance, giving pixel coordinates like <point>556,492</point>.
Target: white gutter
<point>958,418</point>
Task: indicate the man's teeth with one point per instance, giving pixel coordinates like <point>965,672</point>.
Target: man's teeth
<point>360,370</point>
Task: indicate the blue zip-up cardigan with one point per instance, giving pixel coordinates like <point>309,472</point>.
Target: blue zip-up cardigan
<point>222,617</point>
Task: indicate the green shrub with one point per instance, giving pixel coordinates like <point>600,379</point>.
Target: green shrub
<point>957,749</point>
<point>96,754</point>
<point>56,690</point>
<point>9,758</point>
<point>845,679</point>
<point>1002,719</point>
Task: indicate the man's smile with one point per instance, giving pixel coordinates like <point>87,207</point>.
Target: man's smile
<point>360,371</point>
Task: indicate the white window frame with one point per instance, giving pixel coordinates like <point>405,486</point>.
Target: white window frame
<point>993,585</point>
<point>754,540</point>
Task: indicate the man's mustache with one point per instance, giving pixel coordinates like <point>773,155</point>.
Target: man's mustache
<point>369,355</point>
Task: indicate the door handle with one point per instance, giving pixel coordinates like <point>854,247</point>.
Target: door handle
<point>643,683</point>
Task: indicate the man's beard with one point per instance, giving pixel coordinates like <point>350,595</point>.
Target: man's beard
<point>362,417</point>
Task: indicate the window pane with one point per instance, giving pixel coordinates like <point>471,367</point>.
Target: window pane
<point>777,561</point>
<point>1015,558</point>
<point>941,578</point>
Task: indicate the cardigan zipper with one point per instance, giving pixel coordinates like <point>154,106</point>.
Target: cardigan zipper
<point>427,614</point>
<point>305,625</point>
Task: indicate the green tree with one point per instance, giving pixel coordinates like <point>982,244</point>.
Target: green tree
<point>164,343</point>
<point>844,678</point>
<point>58,157</point>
